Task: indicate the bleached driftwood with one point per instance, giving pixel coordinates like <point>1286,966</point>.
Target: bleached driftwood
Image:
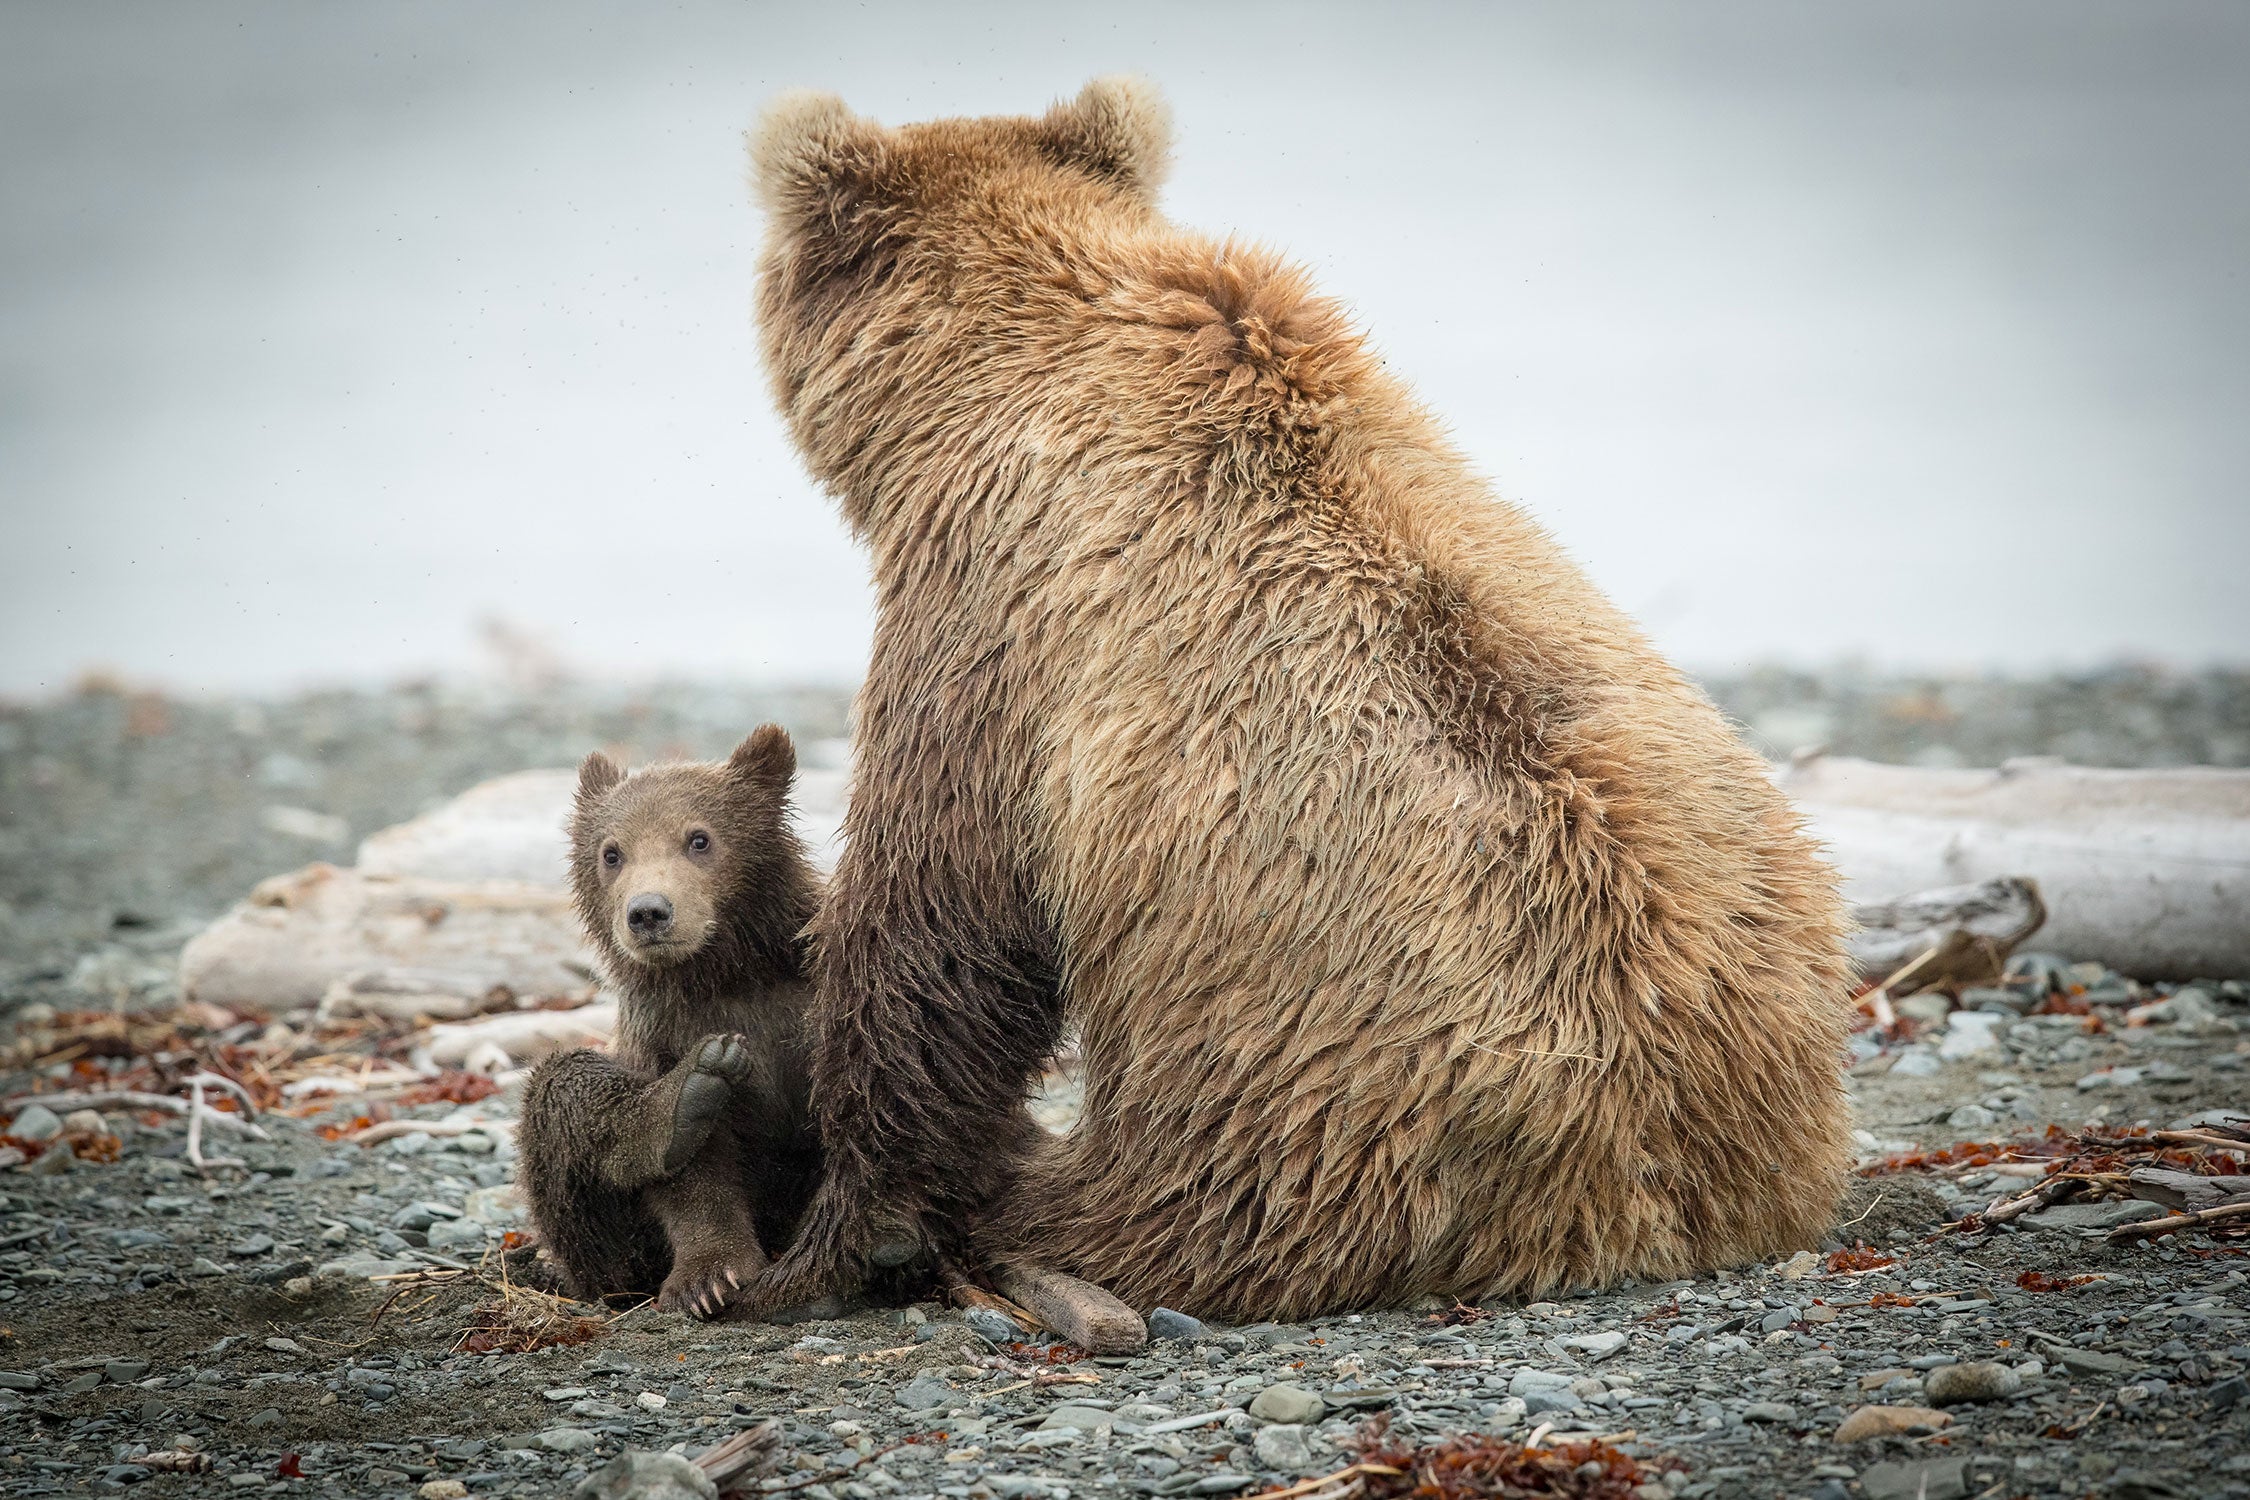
<point>447,915</point>
<point>1959,935</point>
<point>524,1035</point>
<point>508,828</point>
<point>301,934</point>
<point>2147,871</point>
<point>512,828</point>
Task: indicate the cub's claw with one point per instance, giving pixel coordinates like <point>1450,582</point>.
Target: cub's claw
<point>701,1286</point>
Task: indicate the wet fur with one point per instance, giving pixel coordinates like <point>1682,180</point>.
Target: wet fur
<point>596,1128</point>
<point>1427,932</point>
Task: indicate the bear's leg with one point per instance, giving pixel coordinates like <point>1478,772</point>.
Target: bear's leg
<point>584,1107</point>
<point>937,1003</point>
<point>707,1217</point>
<point>601,1238</point>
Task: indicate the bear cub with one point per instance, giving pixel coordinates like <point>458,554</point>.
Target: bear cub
<point>683,1159</point>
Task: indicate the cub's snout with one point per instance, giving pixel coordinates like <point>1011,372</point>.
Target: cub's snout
<point>648,916</point>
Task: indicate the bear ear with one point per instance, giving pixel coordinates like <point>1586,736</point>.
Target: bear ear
<point>1117,128</point>
<point>597,773</point>
<point>766,756</point>
<point>809,154</point>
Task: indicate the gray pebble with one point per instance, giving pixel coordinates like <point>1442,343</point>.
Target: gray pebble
<point>1287,1404</point>
<point>36,1122</point>
<point>1164,1323</point>
<point>997,1327</point>
<point>1984,1380</point>
<point>1283,1447</point>
<point>1931,1479</point>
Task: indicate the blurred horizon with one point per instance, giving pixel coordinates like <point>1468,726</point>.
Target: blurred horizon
<point>1912,338</point>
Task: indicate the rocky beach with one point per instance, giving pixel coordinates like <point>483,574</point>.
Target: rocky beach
<point>338,1311</point>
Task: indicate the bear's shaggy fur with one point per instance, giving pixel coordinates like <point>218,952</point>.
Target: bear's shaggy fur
<point>1426,931</point>
<point>676,1163</point>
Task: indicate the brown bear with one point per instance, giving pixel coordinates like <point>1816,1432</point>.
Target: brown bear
<point>678,1162</point>
<point>1425,930</point>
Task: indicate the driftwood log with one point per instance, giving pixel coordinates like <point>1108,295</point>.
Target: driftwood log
<point>1081,1312</point>
<point>302,935</point>
<point>1959,935</point>
<point>2147,871</point>
<point>2185,1191</point>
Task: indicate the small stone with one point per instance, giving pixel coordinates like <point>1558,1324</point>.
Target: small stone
<point>1769,1411</point>
<point>498,1206</point>
<point>2230,1392</point>
<point>256,1244</point>
<point>1972,1033</point>
<point>1778,1319</point>
<point>125,1371</point>
<point>566,1393</point>
<point>1282,1447</point>
<point>1928,1008</point>
<point>639,1475</point>
<point>1917,1062</point>
<point>443,1489</point>
<point>270,1417</point>
<point>566,1440</point>
<point>205,1266</point>
<point>1971,1117</point>
<point>2092,1362</point>
<point>1285,1405</point>
<point>1982,1380</point>
<point>2110,1078</point>
<point>651,1401</point>
<point>18,1380</point>
<point>285,1346</point>
<point>1797,1267</point>
<point>925,1392</point>
<point>1931,1479</point>
<point>35,1122</point>
<point>997,1327</point>
<point>85,1122</point>
<point>1164,1323</point>
<point>1890,1421</point>
<point>1080,1418</point>
<point>456,1234</point>
<point>1596,1346</point>
<point>1527,1380</point>
<point>2106,1215</point>
<point>1542,1403</point>
<point>57,1159</point>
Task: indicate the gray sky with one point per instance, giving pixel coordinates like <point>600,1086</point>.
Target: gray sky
<point>1915,332</point>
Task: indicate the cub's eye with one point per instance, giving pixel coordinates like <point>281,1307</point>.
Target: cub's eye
<point>698,842</point>
<point>611,857</point>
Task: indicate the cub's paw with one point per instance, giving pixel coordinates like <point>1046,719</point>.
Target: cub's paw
<point>720,1063</point>
<point>701,1284</point>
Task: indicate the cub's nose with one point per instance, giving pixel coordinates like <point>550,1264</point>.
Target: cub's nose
<point>648,916</point>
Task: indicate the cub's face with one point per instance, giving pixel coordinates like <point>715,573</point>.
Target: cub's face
<point>657,857</point>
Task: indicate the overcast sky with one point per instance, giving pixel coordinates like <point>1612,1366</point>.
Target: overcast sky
<point>1912,332</point>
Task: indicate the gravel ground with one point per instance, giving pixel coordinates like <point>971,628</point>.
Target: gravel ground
<point>149,1307</point>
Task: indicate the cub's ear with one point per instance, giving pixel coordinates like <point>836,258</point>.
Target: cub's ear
<point>766,757</point>
<point>597,773</point>
<point>1118,127</point>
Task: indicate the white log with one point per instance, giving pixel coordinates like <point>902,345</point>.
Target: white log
<point>2147,871</point>
<point>524,1035</point>
<point>302,933</point>
<point>513,828</point>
